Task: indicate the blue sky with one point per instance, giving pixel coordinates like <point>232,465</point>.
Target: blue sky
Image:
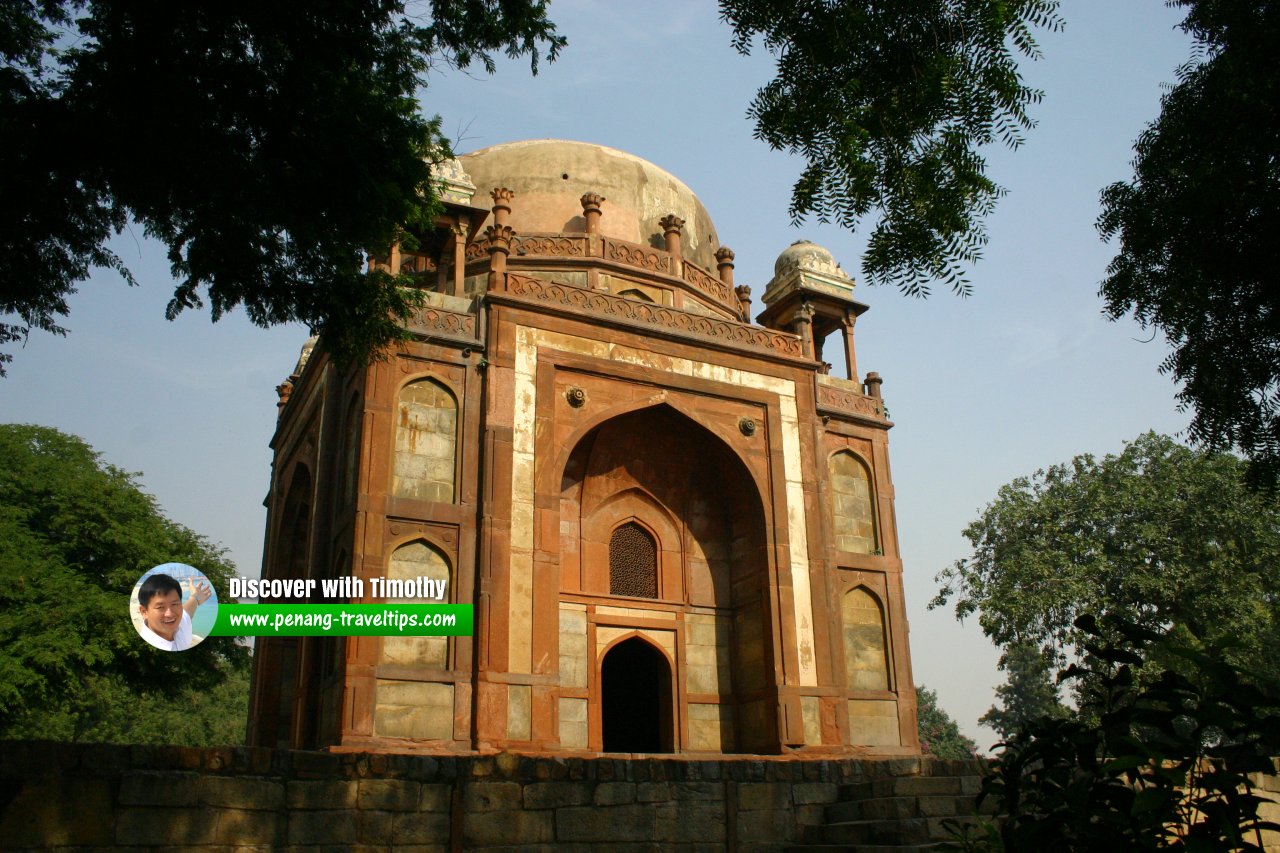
<point>1024,373</point>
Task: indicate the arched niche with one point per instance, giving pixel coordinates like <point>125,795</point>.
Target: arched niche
<point>681,481</point>
<point>690,477</point>
<point>413,559</point>
<point>852,504</point>
<point>628,506</point>
<point>866,654</point>
<point>425,463</point>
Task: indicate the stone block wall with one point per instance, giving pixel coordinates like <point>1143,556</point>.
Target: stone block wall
<point>1267,786</point>
<point>92,797</point>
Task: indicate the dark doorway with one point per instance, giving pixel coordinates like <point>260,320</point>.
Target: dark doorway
<point>635,698</point>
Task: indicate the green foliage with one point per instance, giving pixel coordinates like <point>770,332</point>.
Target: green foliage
<point>1166,767</point>
<point>267,145</point>
<point>939,734</point>
<point>890,104</point>
<point>1197,228</point>
<point>106,710</point>
<point>1158,534</point>
<point>1029,693</point>
<point>75,536</point>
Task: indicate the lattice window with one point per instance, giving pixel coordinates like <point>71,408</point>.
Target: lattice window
<point>633,562</point>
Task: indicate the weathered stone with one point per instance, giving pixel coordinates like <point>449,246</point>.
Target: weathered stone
<point>492,796</point>
<point>617,823</point>
<point>550,795</point>
<point>389,794</point>
<point>323,827</point>
<point>55,810</point>
<point>155,826</point>
<point>245,826</point>
<point>159,789</point>
<point>763,795</point>
<point>239,792</point>
<point>510,827</point>
<point>615,793</point>
<point>813,792</point>
<point>653,792</point>
<point>376,827</point>
<point>421,828</point>
<point>321,794</point>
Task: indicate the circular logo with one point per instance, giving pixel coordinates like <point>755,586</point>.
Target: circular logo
<point>173,606</point>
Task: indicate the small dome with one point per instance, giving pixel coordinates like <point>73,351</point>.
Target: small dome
<point>455,183</point>
<point>809,257</point>
<point>550,176</point>
<point>305,354</point>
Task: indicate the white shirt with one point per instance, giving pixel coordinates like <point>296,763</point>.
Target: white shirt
<point>181,639</point>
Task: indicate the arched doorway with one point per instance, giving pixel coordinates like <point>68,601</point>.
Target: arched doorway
<point>635,698</point>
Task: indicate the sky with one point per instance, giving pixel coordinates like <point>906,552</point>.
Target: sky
<point>1024,373</point>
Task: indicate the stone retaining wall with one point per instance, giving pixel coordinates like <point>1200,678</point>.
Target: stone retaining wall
<point>94,797</point>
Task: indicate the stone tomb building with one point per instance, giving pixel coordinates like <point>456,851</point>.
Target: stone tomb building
<point>676,527</point>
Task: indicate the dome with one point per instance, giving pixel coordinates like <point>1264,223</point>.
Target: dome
<point>809,257</point>
<point>550,176</point>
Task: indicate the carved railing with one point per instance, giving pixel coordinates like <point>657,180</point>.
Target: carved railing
<point>636,255</point>
<point>709,285</point>
<point>632,312</point>
<point>847,401</point>
<point>436,322</point>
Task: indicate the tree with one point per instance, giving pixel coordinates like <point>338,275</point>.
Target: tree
<point>75,536</point>
<point>1198,255</point>
<point>1029,693</point>
<point>1164,767</point>
<point>939,734</point>
<point>267,145</point>
<point>890,104</point>
<point>1159,534</point>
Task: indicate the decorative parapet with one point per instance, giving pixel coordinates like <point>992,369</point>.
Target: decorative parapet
<point>635,255</point>
<point>557,247</point>
<point>712,287</point>
<point>434,322</point>
<point>631,312</point>
<point>843,398</point>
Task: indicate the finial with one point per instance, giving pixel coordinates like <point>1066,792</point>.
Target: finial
<point>591,210</point>
<point>672,226</point>
<point>501,204</point>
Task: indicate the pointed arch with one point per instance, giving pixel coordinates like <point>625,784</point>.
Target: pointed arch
<point>866,655</point>
<point>425,463</point>
<point>852,504</point>
<point>636,696</point>
<point>412,559</point>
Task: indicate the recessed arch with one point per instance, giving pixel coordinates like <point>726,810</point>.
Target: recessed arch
<point>424,466</point>
<point>556,473</point>
<point>852,503</point>
<point>866,648</point>
<point>416,558</point>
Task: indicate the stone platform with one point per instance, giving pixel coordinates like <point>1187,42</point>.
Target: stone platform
<point>71,797</point>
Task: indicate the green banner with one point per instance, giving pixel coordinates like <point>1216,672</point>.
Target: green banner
<point>343,620</point>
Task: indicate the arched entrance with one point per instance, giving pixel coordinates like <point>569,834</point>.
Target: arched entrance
<point>635,698</point>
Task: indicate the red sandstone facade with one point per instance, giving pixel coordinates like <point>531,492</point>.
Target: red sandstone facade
<point>677,530</point>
